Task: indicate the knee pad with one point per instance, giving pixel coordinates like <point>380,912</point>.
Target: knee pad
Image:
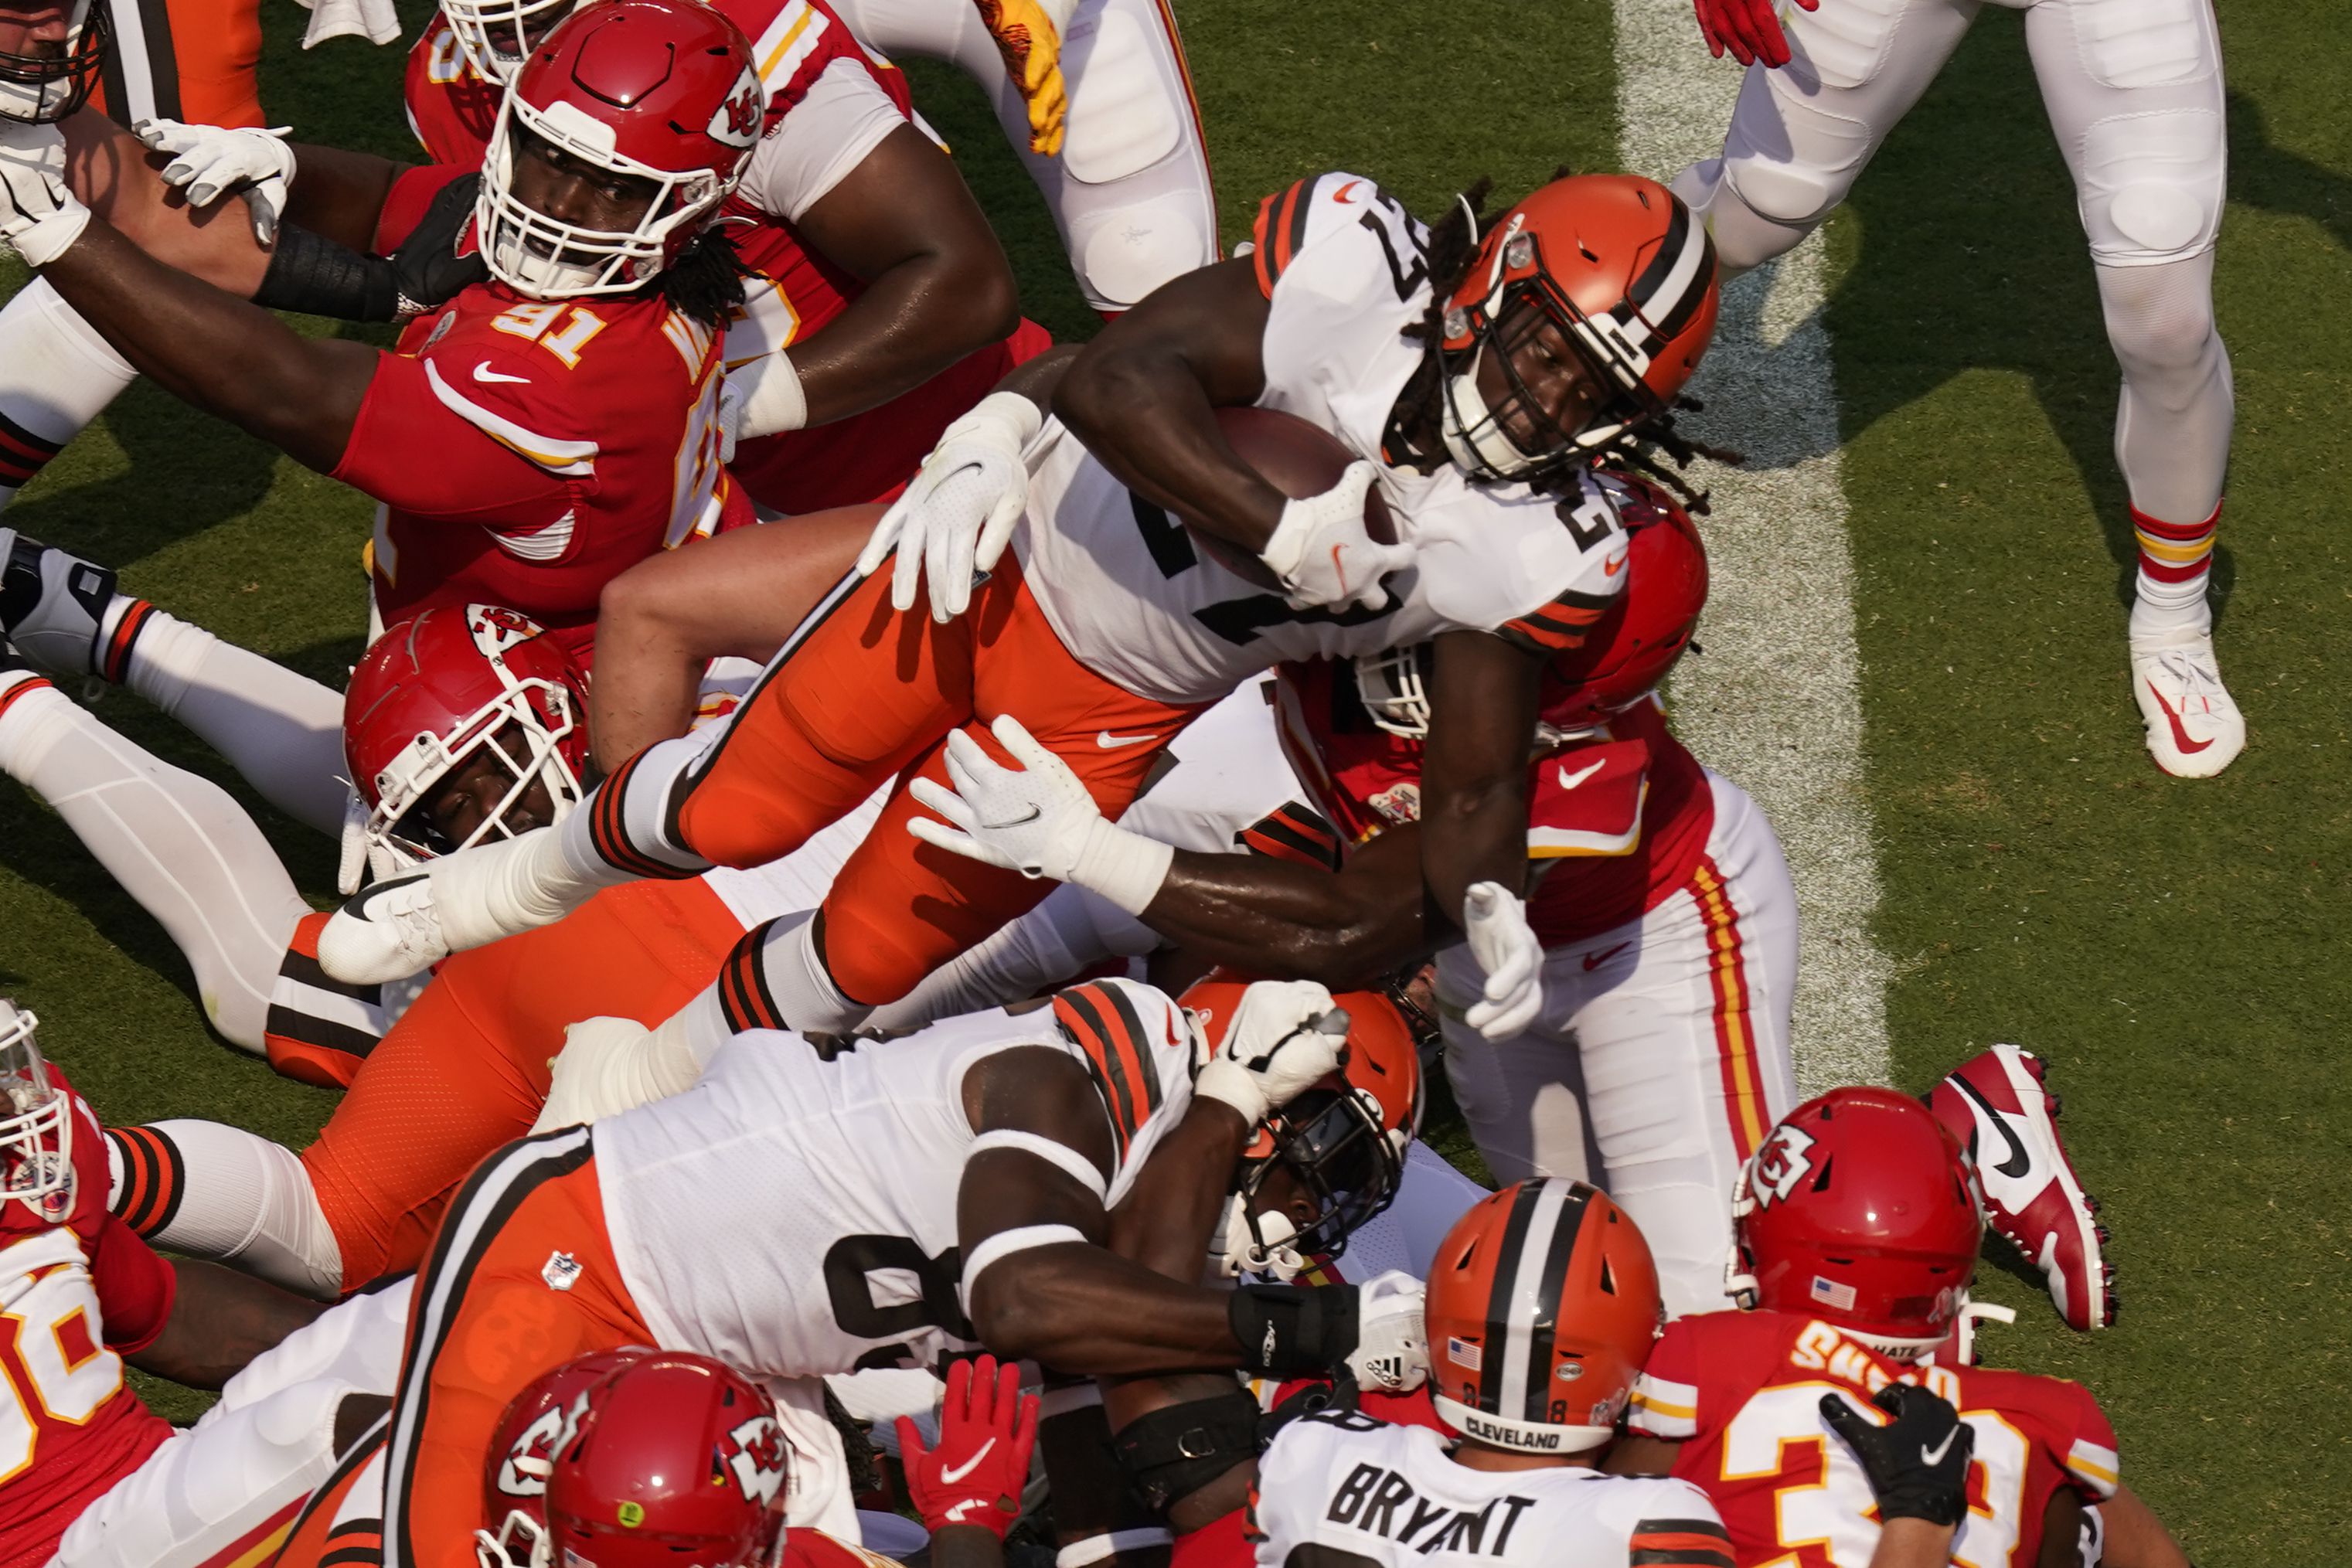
<point>1800,170</point>
<point>1842,44</point>
<point>1127,110</point>
<point>2153,184</point>
<point>1124,254</point>
<point>1175,1452</point>
<point>2146,43</point>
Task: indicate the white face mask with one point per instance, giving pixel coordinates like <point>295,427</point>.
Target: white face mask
<point>38,102</point>
<point>1235,1251</point>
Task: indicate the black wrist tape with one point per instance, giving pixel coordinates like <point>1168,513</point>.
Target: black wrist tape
<point>1287,1331</point>
<point>1173,1453</point>
<point>312,274</point>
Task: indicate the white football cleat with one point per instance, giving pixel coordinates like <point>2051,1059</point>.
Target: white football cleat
<point>2194,728</point>
<point>386,933</point>
<point>53,606</point>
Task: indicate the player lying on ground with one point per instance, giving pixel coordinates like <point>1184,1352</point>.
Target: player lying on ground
<point>88,1296</point>
<point>1658,894</point>
<point>1858,1229</point>
<point>1107,630</point>
<point>2138,112</point>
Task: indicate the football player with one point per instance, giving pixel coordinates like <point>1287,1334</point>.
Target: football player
<point>88,1296</point>
<point>1107,631</point>
<point>1659,895</point>
<point>569,404</point>
<point>1858,1225</point>
<point>989,1163</point>
<point>2135,100</point>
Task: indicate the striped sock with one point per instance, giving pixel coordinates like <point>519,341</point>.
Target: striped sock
<point>57,374</point>
<point>22,456</point>
<point>2175,559</point>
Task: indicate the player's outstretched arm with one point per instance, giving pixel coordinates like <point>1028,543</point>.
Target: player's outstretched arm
<point>220,1320</point>
<point>937,283</point>
<point>1474,780</point>
<point>1345,928</point>
<point>2134,1537</point>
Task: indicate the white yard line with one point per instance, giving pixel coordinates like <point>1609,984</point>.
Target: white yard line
<point>1774,702</point>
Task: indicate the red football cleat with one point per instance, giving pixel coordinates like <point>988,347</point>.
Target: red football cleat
<point>1995,1103</point>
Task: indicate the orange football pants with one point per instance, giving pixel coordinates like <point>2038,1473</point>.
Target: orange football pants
<point>520,1279</point>
<point>865,695</point>
<point>465,1069</point>
<point>193,60</point>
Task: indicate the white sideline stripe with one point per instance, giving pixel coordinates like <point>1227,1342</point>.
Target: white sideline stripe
<point>1775,700</point>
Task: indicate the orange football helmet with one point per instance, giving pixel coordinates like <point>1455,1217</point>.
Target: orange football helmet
<point>1344,1139</point>
<point>1542,1307</point>
<point>1625,272</point>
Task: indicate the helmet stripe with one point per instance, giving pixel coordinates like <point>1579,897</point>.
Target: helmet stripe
<point>1497,1360</point>
<point>1671,287</point>
<point>1551,1271</point>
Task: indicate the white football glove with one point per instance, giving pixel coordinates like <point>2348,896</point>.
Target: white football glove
<point>759,397</point>
<point>957,515</point>
<point>1286,1035</point>
<point>373,20</point>
<point>1392,1352</point>
<point>39,217</point>
<point>1322,554</point>
<point>210,161</point>
<point>609,1065</point>
<point>1509,955</point>
<point>1036,818</point>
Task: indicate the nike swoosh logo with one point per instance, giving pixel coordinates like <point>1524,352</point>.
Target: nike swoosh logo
<point>2019,1162</point>
<point>951,1474</point>
<point>2179,736</point>
<point>1927,1456</point>
<point>1570,780</point>
<point>1110,742</point>
<point>1616,564</point>
<point>482,372</point>
<point>1018,821</point>
<point>1594,960</point>
<point>1342,193</point>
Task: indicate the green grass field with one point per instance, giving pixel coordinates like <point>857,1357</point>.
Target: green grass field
<point>2171,947</point>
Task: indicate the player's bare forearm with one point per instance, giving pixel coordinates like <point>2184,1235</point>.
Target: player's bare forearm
<point>1166,1218</point>
<point>112,172</point>
<point>1086,1311</point>
<point>2136,1537</point>
<point>936,283</point>
<point>1143,397</point>
<point>1037,377</point>
<point>966,1546</point>
<point>1282,918</point>
<point>338,194</point>
<point>221,353</point>
<point>220,1320</point>
<point>739,595</point>
<point>1912,1543</point>
<point>1474,776</point>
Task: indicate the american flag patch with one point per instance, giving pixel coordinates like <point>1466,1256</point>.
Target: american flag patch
<point>1467,1356</point>
<point>1832,1295</point>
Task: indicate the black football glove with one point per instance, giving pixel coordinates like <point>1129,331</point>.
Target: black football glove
<point>428,268</point>
<point>1918,1462</point>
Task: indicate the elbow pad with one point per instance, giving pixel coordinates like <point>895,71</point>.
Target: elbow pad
<point>313,275</point>
<point>1173,1452</point>
<point>1291,1331</point>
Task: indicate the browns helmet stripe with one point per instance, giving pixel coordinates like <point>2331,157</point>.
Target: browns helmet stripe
<point>1494,1369</point>
<point>1670,290</point>
<point>1679,1543</point>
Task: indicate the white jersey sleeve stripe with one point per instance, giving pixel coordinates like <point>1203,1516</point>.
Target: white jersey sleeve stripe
<point>1664,1409</point>
<point>570,459</point>
<point>2098,1468</point>
<point>1004,1244</point>
<point>1061,1156</point>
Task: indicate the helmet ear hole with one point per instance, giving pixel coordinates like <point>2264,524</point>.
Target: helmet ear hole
<point>1822,1181</point>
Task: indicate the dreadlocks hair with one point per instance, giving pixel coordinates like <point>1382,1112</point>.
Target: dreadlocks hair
<point>1650,445</point>
<point>706,283</point>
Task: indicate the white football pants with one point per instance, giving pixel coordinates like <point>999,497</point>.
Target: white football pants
<point>2134,92</point>
<point>1660,1058</point>
<point>1129,190</point>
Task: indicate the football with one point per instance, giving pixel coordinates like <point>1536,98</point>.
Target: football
<point>1299,459</point>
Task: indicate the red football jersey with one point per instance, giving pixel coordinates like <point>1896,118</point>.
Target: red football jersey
<point>528,452</point>
<point>1741,1391</point>
<point>76,1287</point>
<point>1617,821</point>
<point>451,105</point>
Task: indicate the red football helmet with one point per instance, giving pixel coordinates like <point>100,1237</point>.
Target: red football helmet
<point>444,684</point>
<point>1542,1307</point>
<point>668,1458</point>
<point>36,1118</point>
<point>663,90</point>
<point>37,89</point>
<point>497,33</point>
<point>1344,1139</point>
<point>1861,1210</point>
<point>1625,272</point>
<point>542,1419</point>
<point>1627,657</point>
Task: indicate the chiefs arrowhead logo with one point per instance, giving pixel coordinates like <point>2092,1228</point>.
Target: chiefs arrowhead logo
<point>495,629</point>
<point>531,1457</point>
<point>753,1454</point>
<point>1781,1163</point>
<point>736,121</point>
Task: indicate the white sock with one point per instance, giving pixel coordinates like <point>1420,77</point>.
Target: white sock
<point>517,884</point>
<point>57,374</point>
<point>796,977</point>
<point>222,1193</point>
<point>282,731</point>
<point>175,842</point>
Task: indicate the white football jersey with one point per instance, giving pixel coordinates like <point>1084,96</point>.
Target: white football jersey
<point>794,1212</point>
<point>1343,1488</point>
<point>1137,603</point>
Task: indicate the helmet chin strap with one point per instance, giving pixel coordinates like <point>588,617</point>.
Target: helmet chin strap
<point>1244,1251</point>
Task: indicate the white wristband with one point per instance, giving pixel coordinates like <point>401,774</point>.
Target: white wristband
<point>1126,868</point>
<point>773,400</point>
<point>44,242</point>
<point>1227,1079</point>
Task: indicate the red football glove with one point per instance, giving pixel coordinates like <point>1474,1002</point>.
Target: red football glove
<point>1749,28</point>
<point>987,1427</point>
